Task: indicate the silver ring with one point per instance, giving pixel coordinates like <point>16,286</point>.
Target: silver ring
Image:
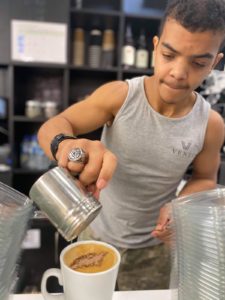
<point>77,155</point>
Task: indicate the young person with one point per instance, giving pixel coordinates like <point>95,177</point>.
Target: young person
<point>154,128</point>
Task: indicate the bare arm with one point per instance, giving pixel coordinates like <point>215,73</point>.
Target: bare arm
<point>86,115</point>
<point>206,164</point>
<point>80,118</point>
<point>205,168</point>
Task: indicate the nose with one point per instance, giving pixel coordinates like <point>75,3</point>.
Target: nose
<point>179,70</point>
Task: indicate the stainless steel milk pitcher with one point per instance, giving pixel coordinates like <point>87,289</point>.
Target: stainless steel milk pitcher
<point>64,200</point>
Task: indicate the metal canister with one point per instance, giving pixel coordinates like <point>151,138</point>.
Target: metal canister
<point>66,203</point>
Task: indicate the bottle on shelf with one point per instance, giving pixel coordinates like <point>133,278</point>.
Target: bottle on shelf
<point>142,53</point>
<point>78,46</point>
<point>32,156</point>
<point>3,107</point>
<point>25,151</point>
<point>95,48</point>
<point>152,62</point>
<point>78,4</point>
<point>108,48</point>
<point>129,50</point>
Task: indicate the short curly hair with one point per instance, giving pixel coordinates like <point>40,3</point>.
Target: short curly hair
<point>196,15</point>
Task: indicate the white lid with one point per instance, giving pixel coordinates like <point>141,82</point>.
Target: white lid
<point>50,104</point>
<point>36,103</point>
<point>96,32</point>
<point>4,168</point>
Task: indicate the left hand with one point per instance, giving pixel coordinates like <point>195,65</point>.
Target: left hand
<point>163,230</point>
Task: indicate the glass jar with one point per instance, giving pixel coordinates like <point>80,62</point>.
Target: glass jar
<point>33,108</point>
<point>50,109</point>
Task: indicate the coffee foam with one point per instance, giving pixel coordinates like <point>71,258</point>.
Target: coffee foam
<point>90,258</point>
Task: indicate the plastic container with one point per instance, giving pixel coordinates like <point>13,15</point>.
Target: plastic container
<point>15,211</point>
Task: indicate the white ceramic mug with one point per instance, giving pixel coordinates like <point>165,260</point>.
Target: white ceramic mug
<point>79,285</point>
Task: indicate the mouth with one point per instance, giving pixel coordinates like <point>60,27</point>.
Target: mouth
<point>175,87</point>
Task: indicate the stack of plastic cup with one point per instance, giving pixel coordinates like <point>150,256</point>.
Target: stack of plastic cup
<point>199,246</point>
<point>15,211</point>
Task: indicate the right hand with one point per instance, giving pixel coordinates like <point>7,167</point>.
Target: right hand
<point>100,165</point>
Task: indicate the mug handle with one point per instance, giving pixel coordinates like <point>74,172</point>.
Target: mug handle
<point>55,273</point>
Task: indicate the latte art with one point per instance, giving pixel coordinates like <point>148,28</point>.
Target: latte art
<point>90,258</point>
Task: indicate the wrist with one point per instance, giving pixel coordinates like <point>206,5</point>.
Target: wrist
<point>54,146</point>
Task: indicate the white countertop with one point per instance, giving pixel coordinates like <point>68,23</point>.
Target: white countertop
<point>129,295</point>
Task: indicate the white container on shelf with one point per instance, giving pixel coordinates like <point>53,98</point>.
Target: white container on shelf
<point>33,109</point>
<point>50,109</point>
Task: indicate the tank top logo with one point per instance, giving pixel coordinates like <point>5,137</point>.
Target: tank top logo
<point>186,146</point>
<point>184,150</point>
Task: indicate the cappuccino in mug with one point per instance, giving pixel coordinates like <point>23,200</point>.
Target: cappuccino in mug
<point>90,258</point>
<point>88,271</point>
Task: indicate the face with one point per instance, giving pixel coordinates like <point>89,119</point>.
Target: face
<point>183,60</point>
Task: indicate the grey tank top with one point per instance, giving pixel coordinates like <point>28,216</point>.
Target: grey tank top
<point>153,154</point>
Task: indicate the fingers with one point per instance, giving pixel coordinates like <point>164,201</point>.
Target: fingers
<point>161,233</point>
<point>93,166</point>
<point>65,148</point>
<point>164,235</point>
<point>108,168</point>
<point>162,230</point>
<point>93,189</point>
<point>164,216</point>
<point>98,169</point>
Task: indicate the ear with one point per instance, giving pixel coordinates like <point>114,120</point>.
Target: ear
<point>155,41</point>
<point>217,59</point>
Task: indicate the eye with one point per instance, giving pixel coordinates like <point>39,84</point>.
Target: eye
<point>199,65</point>
<point>168,56</point>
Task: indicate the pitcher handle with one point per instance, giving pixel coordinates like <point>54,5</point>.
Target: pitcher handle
<point>49,273</point>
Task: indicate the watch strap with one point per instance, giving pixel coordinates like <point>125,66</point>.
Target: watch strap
<point>57,140</point>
